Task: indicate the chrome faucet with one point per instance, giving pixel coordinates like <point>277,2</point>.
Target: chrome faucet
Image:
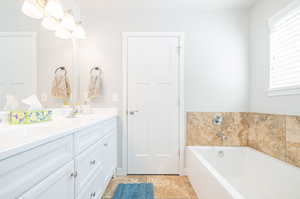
<point>73,112</point>
<point>222,136</point>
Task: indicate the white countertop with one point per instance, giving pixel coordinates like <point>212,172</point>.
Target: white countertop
<point>18,138</point>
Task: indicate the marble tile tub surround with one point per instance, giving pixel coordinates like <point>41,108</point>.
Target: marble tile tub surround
<point>274,135</point>
<point>201,130</point>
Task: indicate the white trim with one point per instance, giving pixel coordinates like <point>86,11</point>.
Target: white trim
<point>182,114</point>
<point>120,172</point>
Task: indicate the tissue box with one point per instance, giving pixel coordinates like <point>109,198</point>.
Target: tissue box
<point>29,117</point>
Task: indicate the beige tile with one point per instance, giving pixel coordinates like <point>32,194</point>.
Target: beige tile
<point>293,140</point>
<point>242,120</point>
<point>293,136</point>
<point>293,154</point>
<point>170,187</point>
<point>293,122</point>
<point>202,132</point>
<point>270,132</point>
<point>166,186</point>
<point>189,188</point>
<point>252,138</point>
<point>237,130</point>
<point>118,180</point>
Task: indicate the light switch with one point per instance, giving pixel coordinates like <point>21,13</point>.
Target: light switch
<point>44,97</point>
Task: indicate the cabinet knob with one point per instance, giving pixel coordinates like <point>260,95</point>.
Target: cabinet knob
<point>93,162</point>
<point>105,144</point>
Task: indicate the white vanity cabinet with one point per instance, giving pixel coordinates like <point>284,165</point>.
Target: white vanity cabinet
<point>76,166</point>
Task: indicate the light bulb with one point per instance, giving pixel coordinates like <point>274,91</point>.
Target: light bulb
<point>33,9</point>
<point>79,32</point>
<point>63,33</point>
<point>68,21</point>
<point>50,23</point>
<point>54,8</point>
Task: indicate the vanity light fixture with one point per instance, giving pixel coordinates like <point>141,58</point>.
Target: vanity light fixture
<point>54,8</point>
<point>63,33</point>
<point>51,23</point>
<point>68,21</point>
<point>34,8</point>
<point>54,18</point>
<point>79,32</point>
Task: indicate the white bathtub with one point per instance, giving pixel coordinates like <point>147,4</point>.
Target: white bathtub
<point>240,173</point>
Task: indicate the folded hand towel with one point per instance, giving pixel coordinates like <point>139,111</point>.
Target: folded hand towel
<point>61,85</point>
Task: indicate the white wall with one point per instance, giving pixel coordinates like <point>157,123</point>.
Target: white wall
<point>259,62</point>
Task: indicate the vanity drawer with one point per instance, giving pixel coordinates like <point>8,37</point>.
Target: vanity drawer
<point>88,163</point>
<point>91,135</point>
<point>21,172</point>
<point>95,188</point>
<point>97,156</point>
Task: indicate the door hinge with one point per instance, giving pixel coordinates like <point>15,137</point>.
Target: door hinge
<point>178,49</point>
<point>74,174</point>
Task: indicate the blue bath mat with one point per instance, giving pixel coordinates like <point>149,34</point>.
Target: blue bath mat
<point>134,191</point>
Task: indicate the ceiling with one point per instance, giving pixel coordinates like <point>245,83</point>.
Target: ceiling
<point>199,4</point>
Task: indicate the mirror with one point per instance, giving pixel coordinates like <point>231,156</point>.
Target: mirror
<point>29,55</point>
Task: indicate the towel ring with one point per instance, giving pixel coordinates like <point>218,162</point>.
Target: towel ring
<point>96,68</point>
<point>60,68</point>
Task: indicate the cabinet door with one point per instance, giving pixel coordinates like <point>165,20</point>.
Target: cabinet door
<point>58,185</point>
<point>109,155</point>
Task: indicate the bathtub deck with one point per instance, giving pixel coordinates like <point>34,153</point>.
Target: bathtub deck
<point>166,186</point>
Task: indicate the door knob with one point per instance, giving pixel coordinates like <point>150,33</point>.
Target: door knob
<point>133,112</point>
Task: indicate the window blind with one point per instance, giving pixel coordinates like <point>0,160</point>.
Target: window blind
<point>285,51</point>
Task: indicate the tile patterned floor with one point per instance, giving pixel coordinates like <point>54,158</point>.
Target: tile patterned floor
<point>166,186</point>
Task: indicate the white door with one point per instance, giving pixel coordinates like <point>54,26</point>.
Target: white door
<point>58,185</point>
<point>153,104</point>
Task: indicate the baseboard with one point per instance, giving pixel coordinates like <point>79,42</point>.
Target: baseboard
<point>121,172</point>
<point>183,172</point>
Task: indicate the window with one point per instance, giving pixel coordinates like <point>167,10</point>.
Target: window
<point>284,77</point>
